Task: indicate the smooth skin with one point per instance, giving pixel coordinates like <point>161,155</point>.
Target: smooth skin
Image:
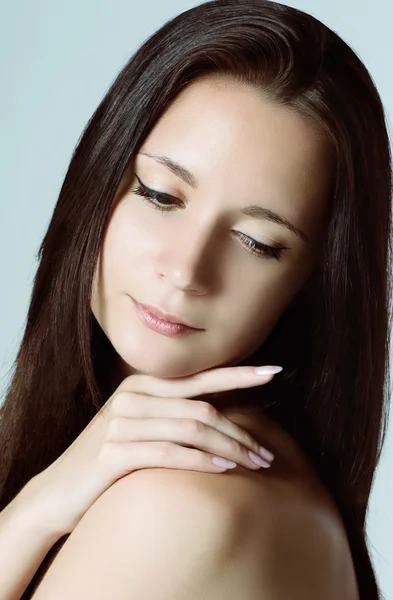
<point>175,535</point>
<point>207,535</point>
<point>192,260</point>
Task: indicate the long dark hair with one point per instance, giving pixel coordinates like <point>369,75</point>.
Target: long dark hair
<point>333,343</point>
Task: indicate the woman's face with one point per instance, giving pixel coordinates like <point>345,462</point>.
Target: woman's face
<point>195,260</point>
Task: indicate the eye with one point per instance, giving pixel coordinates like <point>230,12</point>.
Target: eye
<point>149,195</point>
<point>262,249</point>
<point>157,198</point>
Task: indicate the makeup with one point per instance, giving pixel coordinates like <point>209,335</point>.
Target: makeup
<point>159,325</point>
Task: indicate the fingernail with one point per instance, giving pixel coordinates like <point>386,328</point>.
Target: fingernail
<point>258,460</point>
<point>267,370</point>
<point>265,453</point>
<point>223,462</point>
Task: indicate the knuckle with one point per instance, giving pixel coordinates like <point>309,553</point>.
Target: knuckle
<point>122,401</point>
<point>129,378</point>
<point>247,439</point>
<point>243,450</point>
<point>246,442</point>
<point>206,410</point>
<point>106,454</point>
<point>165,450</point>
<point>192,426</point>
<point>250,442</point>
<point>133,379</point>
<point>118,401</point>
<point>236,447</point>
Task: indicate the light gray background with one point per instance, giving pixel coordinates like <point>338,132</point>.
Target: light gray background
<point>57,60</point>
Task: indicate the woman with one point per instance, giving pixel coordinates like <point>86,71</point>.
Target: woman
<point>256,103</point>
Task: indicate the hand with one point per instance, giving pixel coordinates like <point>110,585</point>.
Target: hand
<point>147,422</point>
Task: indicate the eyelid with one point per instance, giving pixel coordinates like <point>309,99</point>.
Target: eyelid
<point>174,196</point>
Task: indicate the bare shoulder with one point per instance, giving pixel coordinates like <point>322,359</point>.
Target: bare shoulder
<point>271,530</point>
<point>296,544</point>
<point>276,526</point>
<point>290,529</point>
<point>238,533</point>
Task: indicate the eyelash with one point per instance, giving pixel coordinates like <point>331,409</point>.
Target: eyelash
<point>258,249</point>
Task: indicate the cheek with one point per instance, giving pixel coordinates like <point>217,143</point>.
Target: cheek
<point>128,242</point>
<point>250,314</point>
<point>256,296</point>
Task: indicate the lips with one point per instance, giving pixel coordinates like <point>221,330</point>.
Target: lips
<point>161,314</point>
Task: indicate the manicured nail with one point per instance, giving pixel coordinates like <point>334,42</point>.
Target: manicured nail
<point>258,460</point>
<point>265,453</point>
<point>267,370</point>
<point>223,462</point>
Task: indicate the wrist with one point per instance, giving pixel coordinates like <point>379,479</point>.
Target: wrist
<point>34,511</point>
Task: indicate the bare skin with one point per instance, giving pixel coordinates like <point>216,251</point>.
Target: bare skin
<point>195,260</point>
<point>290,476</point>
<point>290,482</point>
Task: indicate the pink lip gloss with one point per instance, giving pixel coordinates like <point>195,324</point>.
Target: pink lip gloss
<point>159,325</point>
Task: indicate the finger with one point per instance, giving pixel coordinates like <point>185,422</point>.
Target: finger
<point>204,382</point>
<point>189,433</point>
<point>147,407</point>
<point>126,457</point>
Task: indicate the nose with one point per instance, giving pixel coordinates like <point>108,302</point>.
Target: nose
<point>187,260</point>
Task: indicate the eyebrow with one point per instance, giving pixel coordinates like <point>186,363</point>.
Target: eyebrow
<point>252,210</point>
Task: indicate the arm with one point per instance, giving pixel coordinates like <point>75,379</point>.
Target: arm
<point>25,539</point>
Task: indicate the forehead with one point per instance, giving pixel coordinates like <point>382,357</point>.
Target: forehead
<point>243,146</point>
